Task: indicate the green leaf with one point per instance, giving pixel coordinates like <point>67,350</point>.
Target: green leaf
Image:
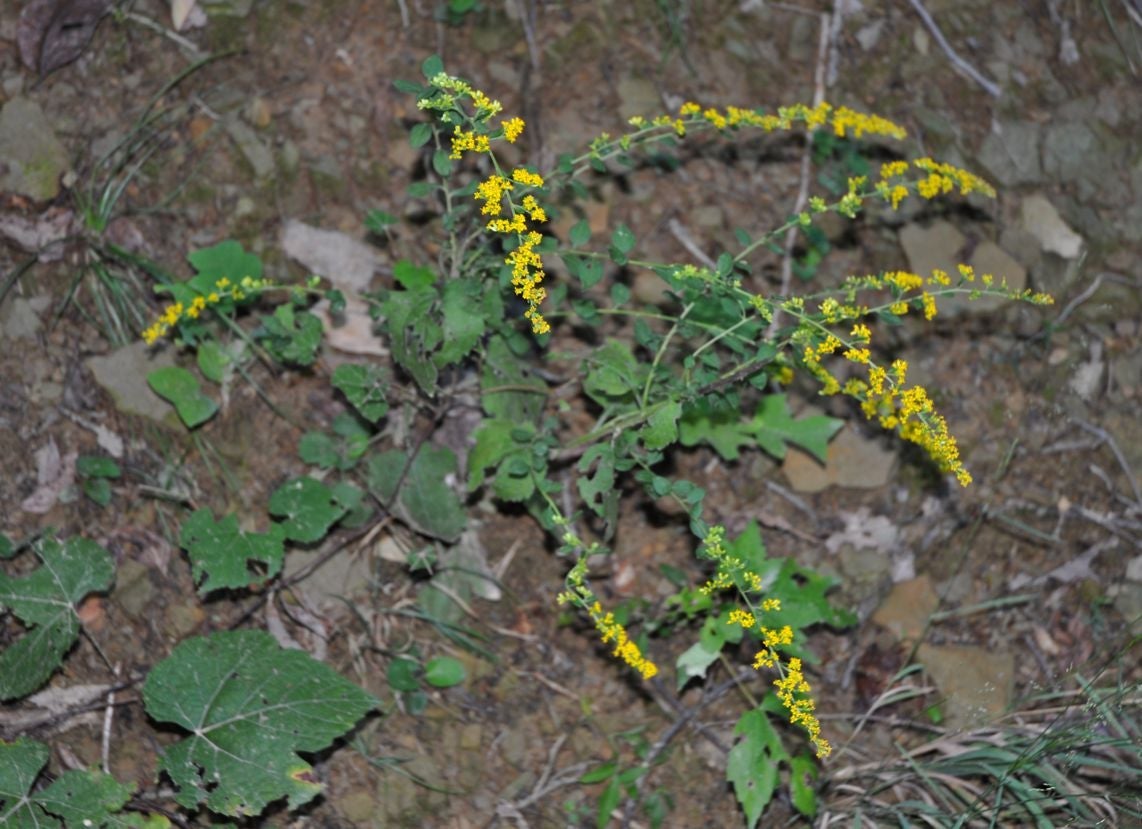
<point>97,466</point>
<point>494,442</point>
<point>694,662</point>
<point>803,771</point>
<point>580,233</point>
<point>444,672</point>
<point>412,328</point>
<point>608,802</point>
<point>441,163</point>
<point>595,489</point>
<point>429,503</point>
<point>773,427</point>
<point>291,336</point>
<point>503,368</point>
<point>432,67</point>
<point>318,449</point>
<point>309,509</point>
<point>98,490</point>
<point>250,706</point>
<point>661,428</point>
<point>600,773</point>
<point>224,556</point>
<point>179,387</point>
<point>364,386</point>
<point>424,500</point>
<point>226,260</point>
<point>420,135</point>
<point>752,763</point>
<point>78,798</point>
<point>377,220</point>
<point>513,488</point>
<point>403,675</point>
<point>614,374</point>
<point>721,427</point>
<point>213,360</point>
<point>463,322</point>
<point>44,601</point>
<point>622,239</point>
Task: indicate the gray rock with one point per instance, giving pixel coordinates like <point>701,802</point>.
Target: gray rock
<point>638,96</point>
<point>123,373</point>
<point>19,319</point>
<point>939,245</point>
<point>253,150</point>
<point>1010,153</point>
<point>1042,220</point>
<point>32,159</point>
<point>1068,150</point>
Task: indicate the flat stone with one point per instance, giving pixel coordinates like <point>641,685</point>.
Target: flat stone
<point>976,683</point>
<point>938,245</point>
<point>123,374</point>
<point>1068,150</point>
<point>851,461</point>
<point>638,96</point>
<point>256,153</point>
<point>347,262</point>
<point>33,159</point>
<point>1010,153</point>
<point>906,610</point>
<point>1042,220</point>
<point>19,320</point>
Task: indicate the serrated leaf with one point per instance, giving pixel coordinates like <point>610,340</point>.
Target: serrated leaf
<point>179,387</point>
<point>226,260</point>
<point>44,600</point>
<point>308,507</point>
<point>503,368</point>
<point>79,798</point>
<point>722,428</point>
<point>595,488</point>
<point>661,428</point>
<point>580,233</point>
<point>224,556</point>
<point>444,672</point>
<point>250,706</point>
<point>773,426</point>
<point>513,488</point>
<point>291,336</point>
<point>753,763</point>
<point>364,386</point>
<point>463,323</point>
<point>413,331</point>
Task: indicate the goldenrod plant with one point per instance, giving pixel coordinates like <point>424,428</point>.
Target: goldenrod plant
<point>503,299</point>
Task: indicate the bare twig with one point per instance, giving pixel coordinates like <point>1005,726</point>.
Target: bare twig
<point>1109,440</point>
<point>989,86</point>
<point>679,232</point>
<point>806,162</point>
<point>108,717</point>
<point>1079,300</point>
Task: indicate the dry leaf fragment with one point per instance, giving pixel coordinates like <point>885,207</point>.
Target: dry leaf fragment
<point>53,33</point>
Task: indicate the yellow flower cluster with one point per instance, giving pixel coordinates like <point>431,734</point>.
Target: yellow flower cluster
<point>729,570</point>
<point>625,649</point>
<point>468,140</point>
<point>939,180</point>
<point>843,121</point>
<point>450,89</point>
<point>527,264</point>
<point>176,312</point>
<point>909,411</point>
<point>581,595</point>
<point>790,690</point>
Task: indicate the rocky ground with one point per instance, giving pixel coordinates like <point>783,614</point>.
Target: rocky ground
<point>1033,573</point>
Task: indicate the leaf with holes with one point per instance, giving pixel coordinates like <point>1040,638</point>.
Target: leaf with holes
<point>364,386</point>
<point>250,706</point>
<point>75,798</point>
<point>222,555</point>
<point>44,600</point>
